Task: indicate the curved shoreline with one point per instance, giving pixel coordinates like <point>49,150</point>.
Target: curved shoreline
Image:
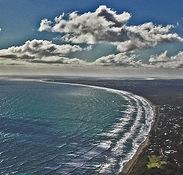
<point>126,164</point>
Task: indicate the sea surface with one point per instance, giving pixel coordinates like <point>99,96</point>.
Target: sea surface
<point>59,128</point>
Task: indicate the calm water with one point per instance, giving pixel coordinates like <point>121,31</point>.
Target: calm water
<point>49,128</point>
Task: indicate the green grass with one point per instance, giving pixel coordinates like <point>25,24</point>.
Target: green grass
<point>156,162</point>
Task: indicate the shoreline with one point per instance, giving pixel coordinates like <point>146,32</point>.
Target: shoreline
<point>92,71</point>
<point>129,165</point>
<point>166,97</point>
<point>131,162</point>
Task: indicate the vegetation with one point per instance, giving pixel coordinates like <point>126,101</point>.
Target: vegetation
<point>156,162</point>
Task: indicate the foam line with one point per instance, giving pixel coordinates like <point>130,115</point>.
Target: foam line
<point>143,109</point>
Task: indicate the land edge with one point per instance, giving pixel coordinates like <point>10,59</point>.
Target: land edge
<point>90,71</point>
<point>129,165</point>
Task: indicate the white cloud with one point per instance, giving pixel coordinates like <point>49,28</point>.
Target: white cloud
<point>37,49</point>
<point>148,34</point>
<point>163,60</point>
<point>105,24</point>
<point>45,25</point>
<point>155,61</point>
<point>57,59</point>
<point>121,59</point>
<point>41,51</point>
<point>91,27</point>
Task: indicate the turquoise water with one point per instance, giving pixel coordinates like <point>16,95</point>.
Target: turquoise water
<point>55,128</point>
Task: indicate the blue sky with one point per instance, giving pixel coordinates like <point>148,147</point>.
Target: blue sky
<point>19,19</point>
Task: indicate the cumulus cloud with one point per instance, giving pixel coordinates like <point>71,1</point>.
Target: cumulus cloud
<point>45,25</point>
<point>101,25</point>
<point>147,35</point>
<point>155,61</point>
<point>165,61</point>
<point>59,60</point>
<point>121,59</point>
<point>104,24</point>
<point>162,58</point>
<point>39,49</point>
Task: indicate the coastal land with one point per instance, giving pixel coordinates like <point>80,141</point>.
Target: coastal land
<point>69,70</point>
<point>165,140</point>
<point>162,152</point>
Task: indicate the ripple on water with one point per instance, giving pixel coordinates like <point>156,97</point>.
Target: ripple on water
<point>59,128</point>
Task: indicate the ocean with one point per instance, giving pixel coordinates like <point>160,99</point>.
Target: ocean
<point>61,128</point>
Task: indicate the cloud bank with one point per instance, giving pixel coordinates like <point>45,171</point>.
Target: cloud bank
<point>165,61</point>
<point>155,61</point>
<point>104,24</point>
<point>39,49</point>
<point>121,59</point>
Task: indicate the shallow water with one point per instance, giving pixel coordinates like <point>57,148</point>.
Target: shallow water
<point>52,128</point>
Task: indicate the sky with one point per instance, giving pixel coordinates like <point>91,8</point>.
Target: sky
<point>20,21</point>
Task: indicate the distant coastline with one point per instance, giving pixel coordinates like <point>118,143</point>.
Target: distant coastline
<point>113,72</point>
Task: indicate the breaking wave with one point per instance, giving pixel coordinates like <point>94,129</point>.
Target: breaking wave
<point>113,142</point>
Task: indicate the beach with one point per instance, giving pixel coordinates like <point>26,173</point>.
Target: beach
<point>165,138</point>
